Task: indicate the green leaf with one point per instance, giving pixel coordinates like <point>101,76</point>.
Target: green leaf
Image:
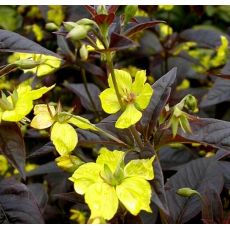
<point>135,194</point>
<point>85,176</point>
<point>110,158</point>
<point>141,168</point>
<point>67,141</point>
<point>129,117</point>
<point>102,200</point>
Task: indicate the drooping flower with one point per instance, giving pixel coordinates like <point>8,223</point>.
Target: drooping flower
<point>63,135</point>
<point>20,103</point>
<point>108,181</point>
<point>135,97</point>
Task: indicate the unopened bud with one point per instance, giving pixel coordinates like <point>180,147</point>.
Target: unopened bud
<point>69,25</point>
<point>68,163</point>
<point>51,26</point>
<point>83,52</point>
<point>27,63</point>
<point>191,103</point>
<point>130,12</point>
<point>102,10</point>
<point>78,32</point>
<point>187,192</point>
<point>86,21</point>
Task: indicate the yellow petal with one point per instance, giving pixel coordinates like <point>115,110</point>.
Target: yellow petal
<point>129,117</point>
<point>110,158</point>
<point>138,84</point>
<point>64,138</point>
<point>37,93</point>
<point>143,99</point>
<point>42,120</point>
<point>85,176</point>
<point>123,79</point>
<point>141,168</point>
<point>22,108</point>
<point>135,194</point>
<point>43,108</point>
<point>109,101</point>
<point>102,200</point>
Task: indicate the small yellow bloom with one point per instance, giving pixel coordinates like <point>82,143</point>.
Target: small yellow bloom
<point>16,106</point>
<point>63,135</point>
<point>135,97</point>
<point>109,181</point>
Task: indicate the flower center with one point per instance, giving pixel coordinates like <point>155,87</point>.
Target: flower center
<point>129,98</point>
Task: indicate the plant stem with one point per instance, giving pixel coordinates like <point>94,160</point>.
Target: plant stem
<point>136,136</point>
<point>110,65</point>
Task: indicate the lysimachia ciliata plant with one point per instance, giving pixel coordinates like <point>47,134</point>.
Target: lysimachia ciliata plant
<point>109,161</point>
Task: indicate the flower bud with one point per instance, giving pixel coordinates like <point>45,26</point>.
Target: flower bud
<point>78,32</point>
<point>86,21</point>
<point>27,63</point>
<point>68,163</point>
<point>83,52</point>
<point>69,25</point>
<point>191,103</point>
<point>102,10</point>
<point>130,12</point>
<point>51,26</point>
<point>187,192</point>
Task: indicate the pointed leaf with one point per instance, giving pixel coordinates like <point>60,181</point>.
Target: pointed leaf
<point>195,175</point>
<point>18,205</point>
<point>162,89</point>
<point>13,42</point>
<point>12,145</point>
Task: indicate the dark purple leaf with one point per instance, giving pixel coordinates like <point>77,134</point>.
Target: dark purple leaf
<point>225,169</point>
<point>173,158</point>
<point>13,42</point>
<point>40,194</point>
<point>141,26</point>
<point>209,131</point>
<point>195,175</point>
<point>12,145</point>
<point>220,154</point>
<point>120,42</point>
<point>70,196</point>
<point>45,149</point>
<point>219,92</point>
<point>209,38</point>
<point>91,68</point>
<point>80,91</point>
<point>212,209</point>
<point>162,89</point>
<point>91,10</point>
<point>47,168</point>
<point>18,205</point>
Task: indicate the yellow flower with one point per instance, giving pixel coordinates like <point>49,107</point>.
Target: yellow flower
<point>63,135</point>
<point>16,106</point>
<point>108,181</point>
<point>135,97</point>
